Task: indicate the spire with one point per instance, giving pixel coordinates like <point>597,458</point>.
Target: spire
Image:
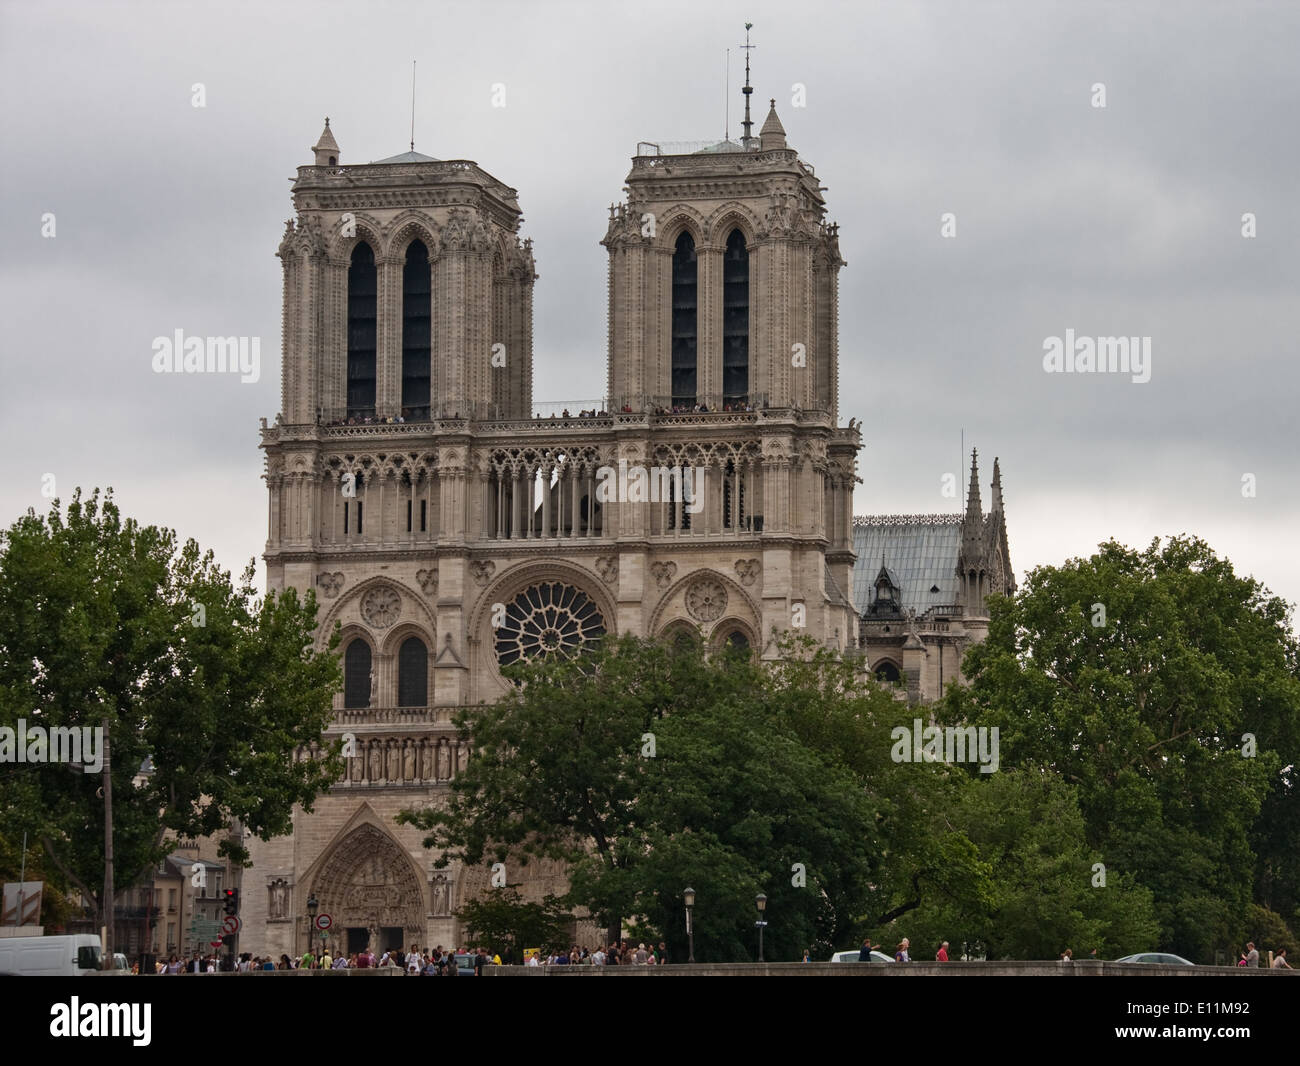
<point>772,135</point>
<point>974,511</point>
<point>747,90</point>
<point>997,487</point>
<point>327,148</point>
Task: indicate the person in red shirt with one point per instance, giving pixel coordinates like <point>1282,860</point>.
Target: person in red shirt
<point>942,954</point>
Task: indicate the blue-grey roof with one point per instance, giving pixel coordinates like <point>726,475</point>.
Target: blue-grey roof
<point>407,157</point>
<point>920,552</point>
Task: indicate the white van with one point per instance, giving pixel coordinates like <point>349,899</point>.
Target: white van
<point>50,956</point>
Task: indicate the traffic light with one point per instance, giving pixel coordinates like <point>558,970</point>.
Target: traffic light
<point>232,901</point>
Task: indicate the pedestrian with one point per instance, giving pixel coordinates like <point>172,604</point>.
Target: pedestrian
<point>663,953</point>
<point>1279,960</point>
<point>1252,956</point>
<point>864,954</point>
<point>806,956</point>
<point>1067,955</point>
<point>942,954</point>
<point>901,954</point>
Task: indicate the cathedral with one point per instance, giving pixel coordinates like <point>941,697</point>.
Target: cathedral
<point>451,525</point>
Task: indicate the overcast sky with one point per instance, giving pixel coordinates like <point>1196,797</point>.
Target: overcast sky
<point>1117,221</point>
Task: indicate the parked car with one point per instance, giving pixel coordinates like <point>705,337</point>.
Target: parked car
<point>852,956</point>
<point>1158,958</point>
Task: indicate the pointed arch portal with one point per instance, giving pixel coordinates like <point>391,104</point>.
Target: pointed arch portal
<point>371,889</point>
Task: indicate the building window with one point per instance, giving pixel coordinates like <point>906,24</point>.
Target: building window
<point>547,619</point>
<point>735,320</point>
<point>356,674</point>
<point>685,323</point>
<point>171,899</point>
<point>424,506</point>
<point>408,515</point>
<point>362,303</point>
<point>416,312</point>
<point>888,672</point>
<point>412,673</point>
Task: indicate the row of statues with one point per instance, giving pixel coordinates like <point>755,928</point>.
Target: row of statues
<point>391,760</point>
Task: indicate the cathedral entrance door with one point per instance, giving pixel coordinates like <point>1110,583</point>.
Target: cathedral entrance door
<point>391,939</point>
<point>358,939</point>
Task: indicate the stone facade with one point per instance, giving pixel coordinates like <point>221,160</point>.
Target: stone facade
<point>448,532</point>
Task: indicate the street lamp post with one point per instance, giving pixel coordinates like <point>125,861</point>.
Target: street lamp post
<point>689,896</point>
<point>762,908</point>
<point>312,906</point>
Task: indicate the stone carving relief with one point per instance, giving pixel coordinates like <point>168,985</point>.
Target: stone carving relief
<point>482,570</point>
<point>383,761</point>
<point>428,580</point>
<point>706,599</point>
<point>367,881</point>
<point>330,583</point>
<point>748,570</point>
<point>381,606</point>
<point>607,568</point>
<point>663,573</point>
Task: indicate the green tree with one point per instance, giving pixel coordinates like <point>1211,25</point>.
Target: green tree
<point>502,922</point>
<point>649,766</point>
<point>104,622</point>
<point>1136,677</point>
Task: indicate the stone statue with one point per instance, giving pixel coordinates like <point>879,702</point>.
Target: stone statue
<point>464,757</point>
<point>394,761</point>
<point>356,760</point>
<point>408,762</point>
<point>279,899</point>
<point>426,761</point>
<point>440,895</point>
<point>376,766</point>
<point>444,762</point>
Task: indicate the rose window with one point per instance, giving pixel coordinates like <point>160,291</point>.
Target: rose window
<point>381,606</point>
<point>547,619</point>
<point>706,600</point>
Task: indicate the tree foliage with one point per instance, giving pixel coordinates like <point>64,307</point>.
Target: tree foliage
<point>1164,689</point>
<point>103,620</point>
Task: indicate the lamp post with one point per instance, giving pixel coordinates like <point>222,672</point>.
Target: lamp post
<point>762,908</point>
<point>689,897</point>
<point>312,906</point>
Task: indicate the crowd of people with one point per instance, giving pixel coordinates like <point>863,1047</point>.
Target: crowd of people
<point>433,962</point>
<point>622,953</point>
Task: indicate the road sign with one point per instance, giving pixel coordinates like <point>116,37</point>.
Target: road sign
<point>215,943</point>
<point>204,928</point>
<point>231,925</point>
<point>323,922</point>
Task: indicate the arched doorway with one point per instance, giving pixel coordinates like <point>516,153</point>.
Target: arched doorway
<point>371,889</point>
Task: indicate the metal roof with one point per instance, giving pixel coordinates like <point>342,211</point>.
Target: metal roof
<point>406,157</point>
<point>920,552</point>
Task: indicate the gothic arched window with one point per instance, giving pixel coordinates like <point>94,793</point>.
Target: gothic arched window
<point>735,320</point>
<point>888,672</point>
<point>412,673</point>
<point>356,674</point>
<point>362,296</point>
<point>416,312</point>
<point>685,322</point>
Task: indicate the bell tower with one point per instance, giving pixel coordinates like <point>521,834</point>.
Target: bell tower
<point>723,279</point>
